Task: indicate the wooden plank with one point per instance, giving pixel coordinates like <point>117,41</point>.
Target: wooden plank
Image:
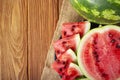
<point>42,19</point>
<point>13,39</point>
<point>0,34</point>
<point>60,4</point>
<point>48,72</point>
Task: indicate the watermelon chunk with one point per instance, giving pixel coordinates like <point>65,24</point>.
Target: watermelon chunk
<point>69,29</point>
<point>69,56</point>
<point>99,53</point>
<point>61,64</point>
<point>60,67</point>
<point>65,67</point>
<point>72,72</point>
<point>72,42</point>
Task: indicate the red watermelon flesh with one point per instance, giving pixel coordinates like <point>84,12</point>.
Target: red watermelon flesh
<point>61,64</point>
<point>72,42</point>
<point>69,29</point>
<point>65,66</point>
<point>69,56</point>
<point>99,53</point>
<point>60,67</point>
<point>72,72</point>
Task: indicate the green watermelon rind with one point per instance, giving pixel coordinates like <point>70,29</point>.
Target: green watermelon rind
<point>84,39</point>
<point>84,13</point>
<point>83,79</point>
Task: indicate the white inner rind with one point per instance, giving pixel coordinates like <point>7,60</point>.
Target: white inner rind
<point>77,39</point>
<point>72,54</point>
<point>87,26</point>
<point>76,67</point>
<point>86,38</point>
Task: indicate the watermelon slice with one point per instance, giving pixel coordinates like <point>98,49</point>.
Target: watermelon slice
<point>60,67</point>
<point>72,72</point>
<point>69,29</point>
<point>69,56</point>
<point>72,42</point>
<point>62,64</point>
<point>99,53</point>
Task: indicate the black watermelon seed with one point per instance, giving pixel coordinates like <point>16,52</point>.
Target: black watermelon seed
<point>110,35</point>
<point>94,52</point>
<point>57,60</point>
<point>113,40</point>
<point>73,26</point>
<point>64,42</point>
<point>72,29</point>
<point>60,69</point>
<point>58,52</point>
<point>95,42</point>
<point>60,37</point>
<point>63,62</point>
<point>117,45</point>
<point>104,75</point>
<point>65,32</point>
<point>96,56</point>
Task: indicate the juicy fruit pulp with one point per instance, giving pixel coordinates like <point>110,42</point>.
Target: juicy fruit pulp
<point>69,29</point>
<point>64,44</point>
<point>62,63</point>
<point>60,67</point>
<point>98,11</point>
<point>99,53</point>
<point>72,72</point>
<point>65,49</point>
<point>69,56</point>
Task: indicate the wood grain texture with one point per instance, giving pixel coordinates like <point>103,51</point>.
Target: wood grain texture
<point>42,18</point>
<point>26,31</point>
<point>0,35</point>
<point>13,39</point>
<point>60,5</point>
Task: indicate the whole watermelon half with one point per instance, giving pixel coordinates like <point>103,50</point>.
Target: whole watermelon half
<point>99,53</point>
<point>98,11</point>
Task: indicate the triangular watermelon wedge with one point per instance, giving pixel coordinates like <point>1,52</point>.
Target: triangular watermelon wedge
<point>69,29</point>
<point>61,45</point>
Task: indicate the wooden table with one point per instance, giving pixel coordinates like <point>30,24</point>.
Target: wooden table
<point>26,31</point>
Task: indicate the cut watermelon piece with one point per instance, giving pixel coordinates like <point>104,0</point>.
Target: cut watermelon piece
<point>69,56</point>
<point>65,67</point>
<point>72,72</point>
<point>61,64</point>
<point>60,67</point>
<point>69,29</point>
<point>60,46</point>
<point>99,53</point>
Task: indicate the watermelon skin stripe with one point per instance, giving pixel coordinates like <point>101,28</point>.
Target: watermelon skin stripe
<point>98,11</point>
